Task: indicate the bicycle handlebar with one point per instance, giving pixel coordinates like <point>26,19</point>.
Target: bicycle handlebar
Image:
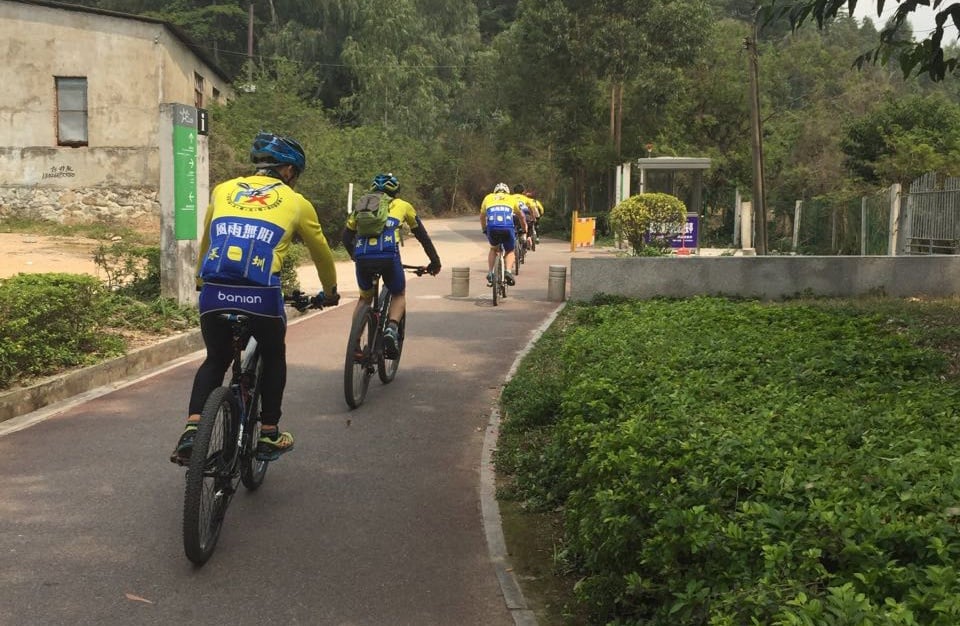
<point>301,301</point>
<point>419,270</point>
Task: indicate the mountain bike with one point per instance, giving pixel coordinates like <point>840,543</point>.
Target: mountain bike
<point>520,254</point>
<point>499,283</point>
<point>365,353</point>
<point>225,446</point>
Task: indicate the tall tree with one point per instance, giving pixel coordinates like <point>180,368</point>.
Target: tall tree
<point>409,58</point>
<point>904,138</point>
<point>925,57</point>
<point>572,56</point>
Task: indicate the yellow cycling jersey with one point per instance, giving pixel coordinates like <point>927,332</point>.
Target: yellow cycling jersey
<point>538,205</point>
<point>248,228</point>
<point>496,209</point>
<point>385,244</point>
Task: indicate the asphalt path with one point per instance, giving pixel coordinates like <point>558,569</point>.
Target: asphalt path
<point>375,517</point>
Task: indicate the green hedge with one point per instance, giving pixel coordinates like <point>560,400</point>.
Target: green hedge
<point>49,322</point>
<point>728,463</point>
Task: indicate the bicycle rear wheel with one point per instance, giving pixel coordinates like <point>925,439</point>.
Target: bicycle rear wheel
<point>252,470</point>
<point>359,363</point>
<point>387,368</point>
<point>497,278</point>
<point>517,257</point>
<point>209,483</point>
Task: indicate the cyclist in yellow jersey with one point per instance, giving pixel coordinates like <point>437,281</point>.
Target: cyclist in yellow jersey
<point>500,218</point>
<point>528,208</point>
<point>248,228</point>
<point>380,254</point>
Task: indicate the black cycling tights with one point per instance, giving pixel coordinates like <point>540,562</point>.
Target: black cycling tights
<point>270,333</point>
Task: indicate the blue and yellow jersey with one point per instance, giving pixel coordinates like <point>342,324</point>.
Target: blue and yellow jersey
<point>498,210</point>
<point>248,229</point>
<point>386,244</point>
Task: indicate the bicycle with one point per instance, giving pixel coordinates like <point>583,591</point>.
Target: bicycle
<point>225,446</point>
<point>520,254</point>
<point>499,283</point>
<point>365,353</point>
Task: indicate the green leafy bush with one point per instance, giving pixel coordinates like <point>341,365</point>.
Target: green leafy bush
<point>728,463</point>
<point>130,268</point>
<point>51,321</point>
<point>656,216</point>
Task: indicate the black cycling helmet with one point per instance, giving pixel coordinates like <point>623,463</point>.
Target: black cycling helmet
<point>387,183</point>
<point>271,150</point>
<point>518,188</point>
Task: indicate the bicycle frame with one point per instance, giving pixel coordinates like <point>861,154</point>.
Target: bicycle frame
<point>365,354</point>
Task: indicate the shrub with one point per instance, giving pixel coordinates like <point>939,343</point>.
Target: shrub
<point>51,321</point>
<point>131,269</point>
<point>648,220</point>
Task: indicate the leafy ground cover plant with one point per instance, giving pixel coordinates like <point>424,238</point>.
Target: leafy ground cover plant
<point>735,462</point>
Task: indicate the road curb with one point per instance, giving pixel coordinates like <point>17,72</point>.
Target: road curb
<point>17,402</point>
<point>522,614</point>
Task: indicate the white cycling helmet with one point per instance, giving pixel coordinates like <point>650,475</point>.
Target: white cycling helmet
<point>501,188</point>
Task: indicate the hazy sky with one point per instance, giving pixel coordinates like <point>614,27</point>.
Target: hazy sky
<point>921,19</point>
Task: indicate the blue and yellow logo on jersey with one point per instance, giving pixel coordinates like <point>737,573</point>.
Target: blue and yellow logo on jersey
<point>247,197</point>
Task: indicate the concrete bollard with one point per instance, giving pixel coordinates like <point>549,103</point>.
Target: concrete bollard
<point>460,287</point>
<point>557,283</point>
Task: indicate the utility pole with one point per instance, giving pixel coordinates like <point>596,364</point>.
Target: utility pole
<point>250,47</point>
<point>759,205</point>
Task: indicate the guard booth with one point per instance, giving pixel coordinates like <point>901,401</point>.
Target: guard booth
<point>678,176</point>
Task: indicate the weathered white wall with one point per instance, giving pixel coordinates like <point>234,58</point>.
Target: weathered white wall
<point>131,67</point>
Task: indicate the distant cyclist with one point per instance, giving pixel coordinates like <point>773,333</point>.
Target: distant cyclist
<point>247,233</point>
<point>500,218</point>
<point>528,206</point>
<point>377,251</point>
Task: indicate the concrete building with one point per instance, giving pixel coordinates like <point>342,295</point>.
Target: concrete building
<point>80,117</point>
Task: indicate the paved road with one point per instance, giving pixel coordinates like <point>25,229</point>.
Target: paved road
<point>374,519</point>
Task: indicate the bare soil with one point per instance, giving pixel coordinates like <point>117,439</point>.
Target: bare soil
<point>36,254</point>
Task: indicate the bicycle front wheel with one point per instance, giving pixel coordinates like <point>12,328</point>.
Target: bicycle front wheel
<point>387,368</point>
<point>359,363</point>
<point>209,483</point>
<point>252,470</point>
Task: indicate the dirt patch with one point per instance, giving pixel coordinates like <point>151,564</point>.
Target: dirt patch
<point>36,254</point>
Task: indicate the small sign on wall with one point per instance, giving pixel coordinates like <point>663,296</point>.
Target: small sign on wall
<point>185,172</point>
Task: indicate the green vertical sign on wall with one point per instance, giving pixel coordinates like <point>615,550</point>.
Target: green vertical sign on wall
<point>184,172</point>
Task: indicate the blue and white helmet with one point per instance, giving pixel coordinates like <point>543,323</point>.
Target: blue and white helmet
<point>385,182</point>
<point>271,150</point>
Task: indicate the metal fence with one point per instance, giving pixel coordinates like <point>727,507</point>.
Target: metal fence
<point>932,209</point>
<point>926,220</point>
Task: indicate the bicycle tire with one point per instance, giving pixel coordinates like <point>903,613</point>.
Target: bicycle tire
<point>387,368</point>
<point>497,277</point>
<point>502,265</point>
<point>253,471</point>
<point>517,258</point>
<point>209,480</point>
<point>357,372</point>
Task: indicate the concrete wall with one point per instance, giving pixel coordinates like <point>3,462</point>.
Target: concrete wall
<point>767,278</point>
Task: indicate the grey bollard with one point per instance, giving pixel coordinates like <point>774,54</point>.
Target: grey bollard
<point>557,283</point>
<point>461,282</point>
